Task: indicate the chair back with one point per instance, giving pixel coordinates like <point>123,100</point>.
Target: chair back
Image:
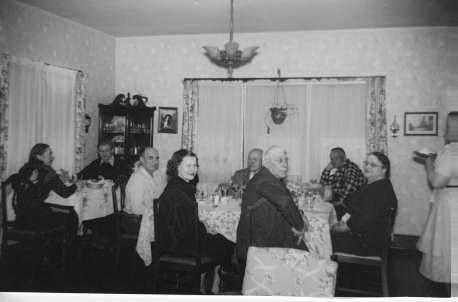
<point>251,210</point>
<point>157,234</point>
<point>120,183</point>
<point>12,183</point>
<point>288,272</point>
<point>390,224</point>
<point>157,237</point>
<point>391,214</point>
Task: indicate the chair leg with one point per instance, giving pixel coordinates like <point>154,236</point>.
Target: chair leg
<point>155,273</point>
<point>384,276</point>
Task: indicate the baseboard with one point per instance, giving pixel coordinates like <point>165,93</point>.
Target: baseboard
<point>404,242</point>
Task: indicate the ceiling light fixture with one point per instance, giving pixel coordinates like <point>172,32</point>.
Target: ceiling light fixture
<point>230,57</point>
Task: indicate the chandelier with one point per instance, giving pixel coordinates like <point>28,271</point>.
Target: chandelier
<point>230,57</point>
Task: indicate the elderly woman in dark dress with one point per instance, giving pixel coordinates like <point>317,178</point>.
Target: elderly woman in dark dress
<point>364,231</point>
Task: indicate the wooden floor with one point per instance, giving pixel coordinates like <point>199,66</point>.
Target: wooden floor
<point>97,276</point>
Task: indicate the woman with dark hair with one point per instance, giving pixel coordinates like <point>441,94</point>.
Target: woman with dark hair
<point>36,179</point>
<point>442,175</point>
<point>178,213</point>
<point>362,230</point>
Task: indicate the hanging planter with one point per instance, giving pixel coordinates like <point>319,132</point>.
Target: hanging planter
<point>278,114</point>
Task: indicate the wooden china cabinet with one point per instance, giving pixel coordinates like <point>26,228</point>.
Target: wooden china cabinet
<point>129,128</point>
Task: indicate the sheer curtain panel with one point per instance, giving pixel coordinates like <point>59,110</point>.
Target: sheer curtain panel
<point>219,133</point>
<point>41,109</point>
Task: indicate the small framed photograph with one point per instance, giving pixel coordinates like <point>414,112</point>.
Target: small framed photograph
<point>420,123</point>
<point>168,120</point>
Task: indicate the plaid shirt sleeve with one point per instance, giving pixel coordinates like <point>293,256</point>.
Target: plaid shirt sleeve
<point>354,180</point>
<point>326,177</point>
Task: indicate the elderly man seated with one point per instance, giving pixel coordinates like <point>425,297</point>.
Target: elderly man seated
<point>269,216</point>
<point>254,164</point>
<point>107,165</point>
<point>344,177</point>
<point>145,184</point>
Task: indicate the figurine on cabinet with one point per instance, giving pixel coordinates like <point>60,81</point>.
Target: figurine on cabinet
<point>139,100</point>
<point>120,100</point>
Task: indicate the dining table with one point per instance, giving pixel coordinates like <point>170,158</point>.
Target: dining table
<point>223,218</point>
<point>89,201</point>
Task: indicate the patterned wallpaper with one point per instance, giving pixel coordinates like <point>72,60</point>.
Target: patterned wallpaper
<point>32,33</point>
<point>420,65</point>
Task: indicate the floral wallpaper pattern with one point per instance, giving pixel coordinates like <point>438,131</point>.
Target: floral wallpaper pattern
<point>376,116</point>
<point>80,110</point>
<point>27,32</point>
<point>190,104</point>
<point>4,63</point>
<point>418,65</point>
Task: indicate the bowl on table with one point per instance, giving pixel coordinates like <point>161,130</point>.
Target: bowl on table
<point>95,183</point>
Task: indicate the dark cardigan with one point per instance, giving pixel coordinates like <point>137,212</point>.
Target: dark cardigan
<point>369,210</point>
<point>178,217</point>
<point>31,196</point>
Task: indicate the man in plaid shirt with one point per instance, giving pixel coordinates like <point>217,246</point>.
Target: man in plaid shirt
<point>345,178</point>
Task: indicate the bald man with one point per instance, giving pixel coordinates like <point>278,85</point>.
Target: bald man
<point>254,164</point>
<point>145,184</point>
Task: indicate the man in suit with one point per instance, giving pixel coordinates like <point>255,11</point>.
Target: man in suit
<point>254,164</point>
<point>269,216</point>
<point>106,165</point>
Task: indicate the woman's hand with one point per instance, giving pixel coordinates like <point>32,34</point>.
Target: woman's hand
<point>340,227</point>
<point>34,176</point>
<point>300,234</point>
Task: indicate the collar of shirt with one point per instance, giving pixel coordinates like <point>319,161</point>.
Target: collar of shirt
<point>155,178</point>
<point>344,166</point>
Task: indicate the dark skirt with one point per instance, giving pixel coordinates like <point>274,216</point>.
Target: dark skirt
<point>43,218</point>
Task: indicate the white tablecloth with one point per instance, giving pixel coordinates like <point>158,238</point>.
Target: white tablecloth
<point>88,203</point>
<point>320,218</point>
<point>224,220</point>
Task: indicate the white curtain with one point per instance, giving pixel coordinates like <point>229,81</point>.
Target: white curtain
<point>290,135</point>
<point>219,125</point>
<point>41,109</point>
<point>234,117</point>
<point>337,117</point>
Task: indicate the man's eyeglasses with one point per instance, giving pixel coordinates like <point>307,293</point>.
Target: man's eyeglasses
<point>372,165</point>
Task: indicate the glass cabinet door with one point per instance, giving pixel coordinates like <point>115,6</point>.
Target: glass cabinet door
<point>113,128</point>
<point>139,133</point>
<point>128,128</point>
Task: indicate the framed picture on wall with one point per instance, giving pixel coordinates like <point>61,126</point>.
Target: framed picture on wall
<point>421,123</point>
<point>168,120</point>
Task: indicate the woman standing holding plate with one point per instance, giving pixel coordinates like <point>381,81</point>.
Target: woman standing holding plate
<point>442,174</point>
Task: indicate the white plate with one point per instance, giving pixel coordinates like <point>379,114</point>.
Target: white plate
<point>425,152</point>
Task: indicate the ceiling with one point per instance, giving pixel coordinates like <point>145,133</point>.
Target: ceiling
<point>164,17</point>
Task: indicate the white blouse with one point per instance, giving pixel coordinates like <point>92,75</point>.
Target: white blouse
<point>142,189</point>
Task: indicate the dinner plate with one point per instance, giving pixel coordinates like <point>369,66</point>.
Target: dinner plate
<point>424,152</point>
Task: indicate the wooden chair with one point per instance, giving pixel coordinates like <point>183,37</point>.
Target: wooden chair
<point>193,265</point>
<point>14,235</point>
<point>127,226</point>
<point>101,236</point>
<point>379,262</point>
